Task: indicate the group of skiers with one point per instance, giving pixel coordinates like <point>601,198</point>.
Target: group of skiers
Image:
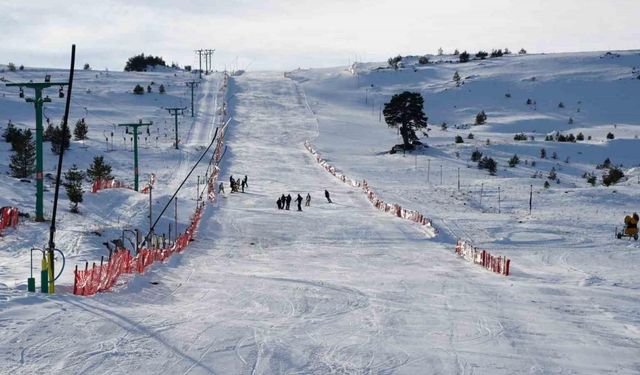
<point>237,185</point>
<point>284,202</point>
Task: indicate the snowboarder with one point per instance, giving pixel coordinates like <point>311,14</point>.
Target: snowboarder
<point>279,203</point>
<point>326,194</point>
<point>221,188</point>
<point>299,201</point>
<point>288,202</point>
<point>307,201</point>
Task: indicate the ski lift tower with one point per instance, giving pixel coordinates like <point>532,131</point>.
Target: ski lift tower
<point>38,101</point>
<point>135,127</point>
<point>175,111</point>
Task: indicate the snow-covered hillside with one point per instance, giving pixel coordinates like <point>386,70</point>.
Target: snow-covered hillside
<point>104,99</point>
<point>341,287</point>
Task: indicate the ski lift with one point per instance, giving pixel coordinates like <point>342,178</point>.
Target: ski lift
<point>47,78</point>
<point>46,99</point>
<point>148,133</point>
<point>60,93</point>
<point>126,130</point>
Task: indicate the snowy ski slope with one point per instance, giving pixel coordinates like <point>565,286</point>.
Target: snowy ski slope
<point>343,288</point>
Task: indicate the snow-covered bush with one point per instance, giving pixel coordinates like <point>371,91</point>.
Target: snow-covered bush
<point>488,164</point>
<point>138,90</point>
<point>612,176</point>
<point>481,118</point>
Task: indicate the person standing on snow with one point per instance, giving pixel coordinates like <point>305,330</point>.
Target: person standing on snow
<point>288,202</point>
<point>299,201</point>
<point>244,184</point>
<point>221,188</point>
<point>246,181</point>
<point>326,195</point>
<point>307,201</point>
<point>279,203</point>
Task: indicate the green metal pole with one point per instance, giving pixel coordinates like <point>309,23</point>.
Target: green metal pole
<point>39,164</point>
<point>175,116</point>
<point>38,102</point>
<point>191,100</point>
<point>135,157</point>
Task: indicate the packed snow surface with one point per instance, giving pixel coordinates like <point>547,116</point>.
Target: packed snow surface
<point>342,287</point>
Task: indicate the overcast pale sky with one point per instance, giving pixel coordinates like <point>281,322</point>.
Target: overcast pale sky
<point>285,34</point>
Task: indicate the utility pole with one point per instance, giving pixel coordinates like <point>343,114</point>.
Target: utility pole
<point>52,228</point>
<point>210,55</point>
<point>135,127</point>
<point>150,210</point>
<point>199,52</point>
<point>530,198</point>
<point>174,112</point>
<point>192,84</point>
<point>38,102</point>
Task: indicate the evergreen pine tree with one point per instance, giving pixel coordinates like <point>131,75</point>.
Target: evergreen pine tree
<point>47,136</point>
<point>99,170</point>
<point>11,133</point>
<point>464,57</point>
<point>23,159</point>
<point>515,160</point>
<point>456,78</point>
<point>61,137</point>
<point>161,89</point>
<point>81,129</point>
<point>73,185</point>
<point>405,111</point>
<point>481,118</point>
<point>543,153</point>
<point>476,155</point>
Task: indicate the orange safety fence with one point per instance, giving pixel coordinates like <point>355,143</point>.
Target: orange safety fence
<point>102,277</point>
<point>9,217</point>
<point>107,184</point>
<point>376,201</point>
<point>470,253</point>
<point>152,181</point>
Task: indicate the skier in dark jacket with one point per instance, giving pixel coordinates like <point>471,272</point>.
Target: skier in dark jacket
<point>326,194</point>
<point>246,181</point>
<point>279,203</point>
<point>288,202</point>
<point>244,184</point>
<point>299,201</point>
